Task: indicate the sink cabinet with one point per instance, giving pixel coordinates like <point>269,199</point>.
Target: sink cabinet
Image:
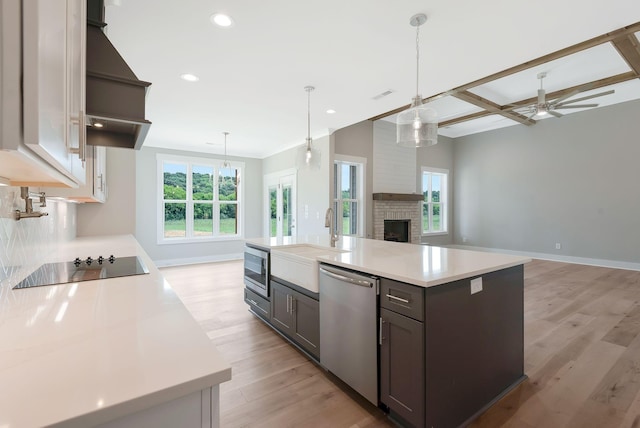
<point>297,316</point>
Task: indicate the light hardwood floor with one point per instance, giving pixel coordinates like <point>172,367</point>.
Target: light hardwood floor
<point>582,354</point>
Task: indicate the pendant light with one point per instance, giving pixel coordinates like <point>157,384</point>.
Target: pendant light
<point>226,165</point>
<point>418,125</point>
<point>308,153</point>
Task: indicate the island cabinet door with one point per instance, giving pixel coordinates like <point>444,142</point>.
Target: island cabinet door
<point>306,314</point>
<point>402,366</point>
<point>281,303</point>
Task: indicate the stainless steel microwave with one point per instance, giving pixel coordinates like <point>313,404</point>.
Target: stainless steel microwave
<point>256,270</point>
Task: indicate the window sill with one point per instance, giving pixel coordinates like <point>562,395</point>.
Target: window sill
<point>435,234</point>
<point>201,239</point>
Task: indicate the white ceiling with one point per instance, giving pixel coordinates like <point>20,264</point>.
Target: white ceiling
<point>252,75</point>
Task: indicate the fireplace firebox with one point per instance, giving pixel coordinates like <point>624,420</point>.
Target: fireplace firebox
<point>397,230</point>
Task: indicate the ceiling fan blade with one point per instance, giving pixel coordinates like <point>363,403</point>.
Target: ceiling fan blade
<point>577,106</point>
<point>588,97</point>
<point>569,95</point>
<point>555,113</point>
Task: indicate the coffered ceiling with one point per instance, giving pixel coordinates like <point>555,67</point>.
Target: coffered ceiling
<point>252,75</point>
<point>599,72</point>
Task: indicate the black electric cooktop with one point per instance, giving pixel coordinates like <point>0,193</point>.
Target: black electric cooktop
<point>83,270</point>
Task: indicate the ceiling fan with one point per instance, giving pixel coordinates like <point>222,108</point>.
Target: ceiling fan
<point>544,107</point>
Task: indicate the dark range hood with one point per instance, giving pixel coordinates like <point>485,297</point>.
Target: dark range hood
<point>115,96</point>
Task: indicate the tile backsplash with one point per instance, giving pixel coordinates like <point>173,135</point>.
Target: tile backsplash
<point>25,243</point>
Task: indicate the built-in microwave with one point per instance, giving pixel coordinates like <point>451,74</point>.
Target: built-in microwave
<point>256,270</point>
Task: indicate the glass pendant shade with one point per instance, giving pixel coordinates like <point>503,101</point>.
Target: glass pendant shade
<point>417,126</point>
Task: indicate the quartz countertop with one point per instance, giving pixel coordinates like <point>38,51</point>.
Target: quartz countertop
<point>421,265</point>
<point>85,353</point>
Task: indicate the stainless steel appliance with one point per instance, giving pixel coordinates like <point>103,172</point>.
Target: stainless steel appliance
<point>256,270</point>
<point>83,270</point>
<point>349,328</point>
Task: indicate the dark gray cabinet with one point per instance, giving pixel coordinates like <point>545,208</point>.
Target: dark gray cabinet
<point>258,304</point>
<point>297,316</point>
<point>402,353</point>
<point>402,366</point>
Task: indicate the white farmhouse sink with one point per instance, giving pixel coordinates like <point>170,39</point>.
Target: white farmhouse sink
<point>298,264</point>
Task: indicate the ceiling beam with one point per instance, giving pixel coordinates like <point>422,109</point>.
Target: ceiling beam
<point>465,118</point>
<point>596,84</point>
<point>629,48</point>
<point>605,38</point>
<point>492,107</point>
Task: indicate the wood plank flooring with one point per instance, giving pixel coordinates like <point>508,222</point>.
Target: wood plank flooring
<point>582,354</point>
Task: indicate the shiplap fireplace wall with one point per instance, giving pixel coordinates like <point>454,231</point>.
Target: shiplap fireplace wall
<point>397,206</point>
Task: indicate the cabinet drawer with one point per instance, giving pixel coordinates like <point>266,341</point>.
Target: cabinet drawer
<point>405,299</point>
<point>258,304</point>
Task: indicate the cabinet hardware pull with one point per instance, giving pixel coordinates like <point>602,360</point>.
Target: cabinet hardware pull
<point>380,338</point>
<point>288,304</point>
<point>293,307</point>
<point>399,299</point>
<point>82,134</point>
<point>82,137</point>
<point>253,302</point>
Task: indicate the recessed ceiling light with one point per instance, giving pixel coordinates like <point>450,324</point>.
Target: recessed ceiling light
<point>189,77</point>
<point>221,20</point>
<point>331,111</point>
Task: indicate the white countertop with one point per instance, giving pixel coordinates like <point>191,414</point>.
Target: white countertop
<point>421,265</point>
<point>89,352</point>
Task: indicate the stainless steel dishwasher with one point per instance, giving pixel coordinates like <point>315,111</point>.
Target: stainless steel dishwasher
<point>348,328</point>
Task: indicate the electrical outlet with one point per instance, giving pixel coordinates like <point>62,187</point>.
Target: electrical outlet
<point>558,246</point>
<point>476,285</point>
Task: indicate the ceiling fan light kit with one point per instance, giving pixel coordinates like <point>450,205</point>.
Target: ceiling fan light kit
<point>544,108</point>
<point>418,125</point>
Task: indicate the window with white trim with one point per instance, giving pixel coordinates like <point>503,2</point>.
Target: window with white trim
<point>434,203</point>
<point>348,194</point>
<point>198,199</point>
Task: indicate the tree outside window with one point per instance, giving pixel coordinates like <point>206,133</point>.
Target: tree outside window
<point>434,207</point>
<point>347,194</point>
<point>194,203</point>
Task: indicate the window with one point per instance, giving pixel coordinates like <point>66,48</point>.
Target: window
<point>434,204</point>
<point>348,191</point>
<point>198,199</point>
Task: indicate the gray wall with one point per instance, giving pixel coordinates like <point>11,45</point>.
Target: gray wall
<point>357,140</point>
<point>117,216</point>
<point>312,185</point>
<point>146,207</point>
<point>571,181</point>
<point>439,156</point>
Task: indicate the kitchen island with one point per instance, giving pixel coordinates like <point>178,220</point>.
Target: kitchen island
<point>450,334</point>
<point>107,352</point>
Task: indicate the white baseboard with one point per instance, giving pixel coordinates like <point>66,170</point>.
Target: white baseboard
<point>197,260</point>
<point>555,257</point>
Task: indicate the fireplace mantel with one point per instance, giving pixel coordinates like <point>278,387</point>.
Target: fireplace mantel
<point>404,197</point>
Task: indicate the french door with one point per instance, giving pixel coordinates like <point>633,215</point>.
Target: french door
<point>280,203</point>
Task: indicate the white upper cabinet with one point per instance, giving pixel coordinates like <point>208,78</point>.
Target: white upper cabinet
<point>50,146</point>
<point>95,188</point>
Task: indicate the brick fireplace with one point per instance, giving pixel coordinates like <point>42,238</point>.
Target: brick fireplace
<point>397,206</point>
